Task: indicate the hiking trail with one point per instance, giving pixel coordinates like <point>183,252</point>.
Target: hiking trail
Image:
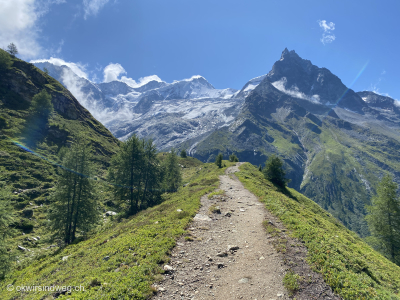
<point>228,254</point>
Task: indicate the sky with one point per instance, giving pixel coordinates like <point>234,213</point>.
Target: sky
<point>227,42</point>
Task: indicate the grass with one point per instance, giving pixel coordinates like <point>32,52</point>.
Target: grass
<point>352,268</point>
<point>31,173</point>
<point>291,282</point>
<point>137,249</point>
<point>215,193</point>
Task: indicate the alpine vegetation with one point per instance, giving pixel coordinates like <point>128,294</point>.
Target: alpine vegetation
<point>7,218</point>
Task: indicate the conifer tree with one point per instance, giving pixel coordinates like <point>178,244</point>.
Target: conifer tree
<point>75,202</point>
<point>124,173</point>
<point>172,172</point>
<point>151,174</point>
<point>273,171</point>
<point>136,174</point>
<point>41,104</point>
<point>384,219</point>
<point>183,153</point>
<point>6,219</point>
<point>12,49</point>
<point>218,160</point>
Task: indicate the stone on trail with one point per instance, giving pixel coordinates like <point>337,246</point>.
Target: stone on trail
<point>233,248</point>
<point>168,268</point>
<point>200,217</point>
<point>243,280</point>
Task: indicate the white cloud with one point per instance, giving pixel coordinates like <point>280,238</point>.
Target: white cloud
<point>327,38</point>
<point>144,80</point>
<point>326,26</point>
<point>92,7</point>
<point>19,24</point>
<point>113,71</point>
<point>78,68</point>
<point>327,35</point>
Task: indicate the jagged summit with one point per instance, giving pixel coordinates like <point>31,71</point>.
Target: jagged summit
<point>299,78</point>
<point>287,54</point>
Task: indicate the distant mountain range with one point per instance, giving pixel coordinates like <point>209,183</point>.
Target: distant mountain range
<point>336,143</point>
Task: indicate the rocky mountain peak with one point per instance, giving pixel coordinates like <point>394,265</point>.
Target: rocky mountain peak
<point>299,78</point>
<point>289,54</point>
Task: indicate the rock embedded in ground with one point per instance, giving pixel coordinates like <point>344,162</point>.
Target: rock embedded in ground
<point>244,280</point>
<point>168,268</point>
<point>233,248</point>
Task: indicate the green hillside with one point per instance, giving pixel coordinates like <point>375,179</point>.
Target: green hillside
<point>124,258</point>
<point>352,268</point>
<point>30,145</point>
<point>135,248</point>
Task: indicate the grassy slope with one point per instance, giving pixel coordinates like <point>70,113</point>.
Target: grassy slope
<point>30,175</point>
<point>352,268</point>
<point>137,248</point>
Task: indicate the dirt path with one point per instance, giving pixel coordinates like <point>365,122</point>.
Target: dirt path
<point>230,256</point>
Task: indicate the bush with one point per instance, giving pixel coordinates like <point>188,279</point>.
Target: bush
<point>26,225</point>
<point>3,123</point>
<point>233,158</point>
<point>183,154</point>
<point>5,60</point>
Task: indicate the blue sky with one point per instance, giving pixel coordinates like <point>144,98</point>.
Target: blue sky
<point>227,42</point>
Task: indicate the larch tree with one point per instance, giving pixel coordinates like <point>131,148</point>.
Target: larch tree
<point>136,174</point>
<point>384,219</point>
<point>41,104</point>
<point>218,160</point>
<point>172,175</point>
<point>274,172</point>
<point>75,205</point>
<point>12,49</point>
